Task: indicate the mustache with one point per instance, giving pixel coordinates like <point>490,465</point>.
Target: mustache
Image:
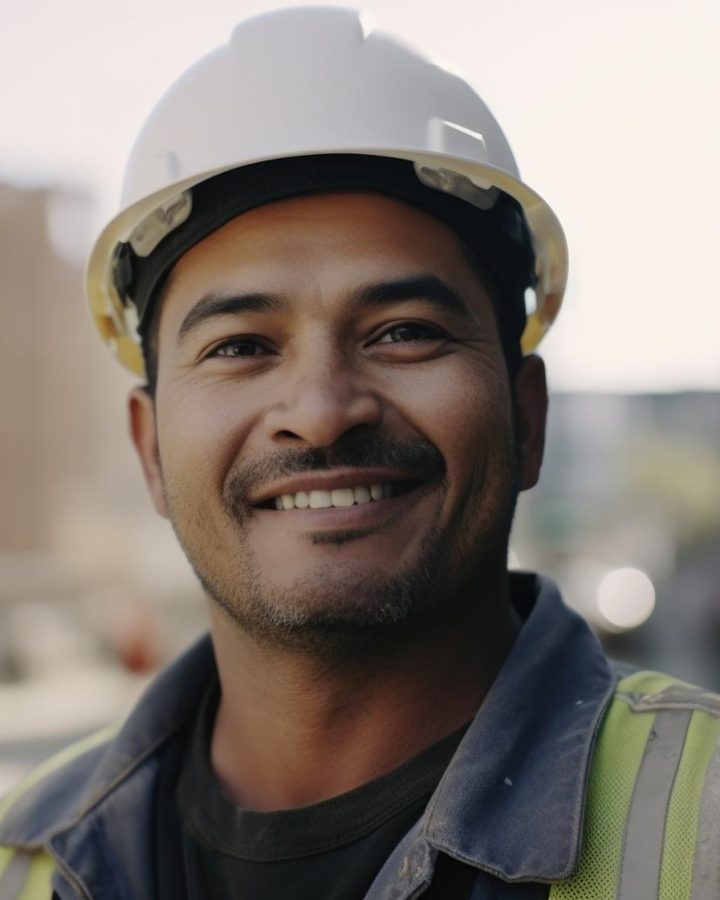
<point>419,458</point>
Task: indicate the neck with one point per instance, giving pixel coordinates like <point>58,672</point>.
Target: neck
<point>292,730</point>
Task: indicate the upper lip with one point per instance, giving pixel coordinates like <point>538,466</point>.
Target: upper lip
<point>328,480</point>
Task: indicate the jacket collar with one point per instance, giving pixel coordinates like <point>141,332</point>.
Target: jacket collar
<point>512,800</point>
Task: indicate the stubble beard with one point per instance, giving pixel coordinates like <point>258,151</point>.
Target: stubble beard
<point>335,616</point>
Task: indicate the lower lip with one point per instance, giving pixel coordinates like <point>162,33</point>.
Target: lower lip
<point>334,518</point>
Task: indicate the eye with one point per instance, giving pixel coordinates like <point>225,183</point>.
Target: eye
<point>239,348</point>
<point>410,331</point>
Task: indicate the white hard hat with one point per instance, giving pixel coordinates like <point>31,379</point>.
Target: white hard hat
<point>309,82</point>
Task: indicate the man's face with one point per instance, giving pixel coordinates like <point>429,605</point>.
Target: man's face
<point>332,433</point>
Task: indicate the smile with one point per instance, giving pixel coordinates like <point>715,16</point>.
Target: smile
<point>335,489</point>
<point>340,507</point>
<point>339,497</point>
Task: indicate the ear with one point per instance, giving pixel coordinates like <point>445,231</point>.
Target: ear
<point>531,403</point>
<point>141,415</point>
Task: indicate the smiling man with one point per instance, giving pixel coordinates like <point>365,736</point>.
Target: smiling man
<point>321,269</point>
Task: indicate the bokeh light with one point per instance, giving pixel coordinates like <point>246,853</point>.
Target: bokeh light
<point>625,598</point>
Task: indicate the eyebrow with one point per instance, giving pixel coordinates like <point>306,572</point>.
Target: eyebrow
<point>417,287</point>
<point>213,305</point>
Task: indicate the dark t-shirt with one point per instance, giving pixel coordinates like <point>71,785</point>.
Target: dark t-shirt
<point>207,846</point>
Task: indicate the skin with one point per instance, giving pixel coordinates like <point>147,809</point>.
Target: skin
<point>347,640</point>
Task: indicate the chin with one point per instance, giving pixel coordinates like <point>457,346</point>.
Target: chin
<point>326,615</point>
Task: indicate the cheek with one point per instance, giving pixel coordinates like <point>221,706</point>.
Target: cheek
<point>200,434</point>
<point>461,408</point>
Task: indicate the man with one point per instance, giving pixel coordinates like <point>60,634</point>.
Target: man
<point>325,250</point>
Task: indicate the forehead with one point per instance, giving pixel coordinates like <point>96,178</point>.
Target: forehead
<point>350,231</point>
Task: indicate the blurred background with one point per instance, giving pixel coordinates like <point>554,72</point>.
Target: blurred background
<point>612,111</point>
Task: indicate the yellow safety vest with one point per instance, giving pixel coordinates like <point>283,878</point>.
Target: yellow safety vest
<point>652,823</point>
<point>652,820</point>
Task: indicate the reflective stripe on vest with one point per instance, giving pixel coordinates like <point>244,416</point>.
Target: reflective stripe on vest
<point>652,822</point>
<point>25,875</point>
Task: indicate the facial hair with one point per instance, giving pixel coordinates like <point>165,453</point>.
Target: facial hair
<point>333,614</point>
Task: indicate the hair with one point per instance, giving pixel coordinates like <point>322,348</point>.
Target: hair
<point>149,336</point>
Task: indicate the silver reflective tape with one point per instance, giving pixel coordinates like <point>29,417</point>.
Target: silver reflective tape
<point>645,829</point>
<point>14,876</point>
<point>706,871</point>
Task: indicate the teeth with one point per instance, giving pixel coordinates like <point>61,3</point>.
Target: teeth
<point>337,498</point>
<point>320,499</point>
<point>343,497</point>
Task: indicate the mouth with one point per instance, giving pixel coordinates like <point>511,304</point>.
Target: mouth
<point>339,497</point>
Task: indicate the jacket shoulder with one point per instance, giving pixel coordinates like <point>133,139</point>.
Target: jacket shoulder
<point>47,796</point>
<point>34,808</point>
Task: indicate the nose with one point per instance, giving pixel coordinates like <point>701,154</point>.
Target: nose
<point>321,403</point>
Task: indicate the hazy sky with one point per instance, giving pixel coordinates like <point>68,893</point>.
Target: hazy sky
<point>612,108</point>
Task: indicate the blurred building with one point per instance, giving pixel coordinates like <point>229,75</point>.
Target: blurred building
<point>75,525</point>
<point>43,380</point>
